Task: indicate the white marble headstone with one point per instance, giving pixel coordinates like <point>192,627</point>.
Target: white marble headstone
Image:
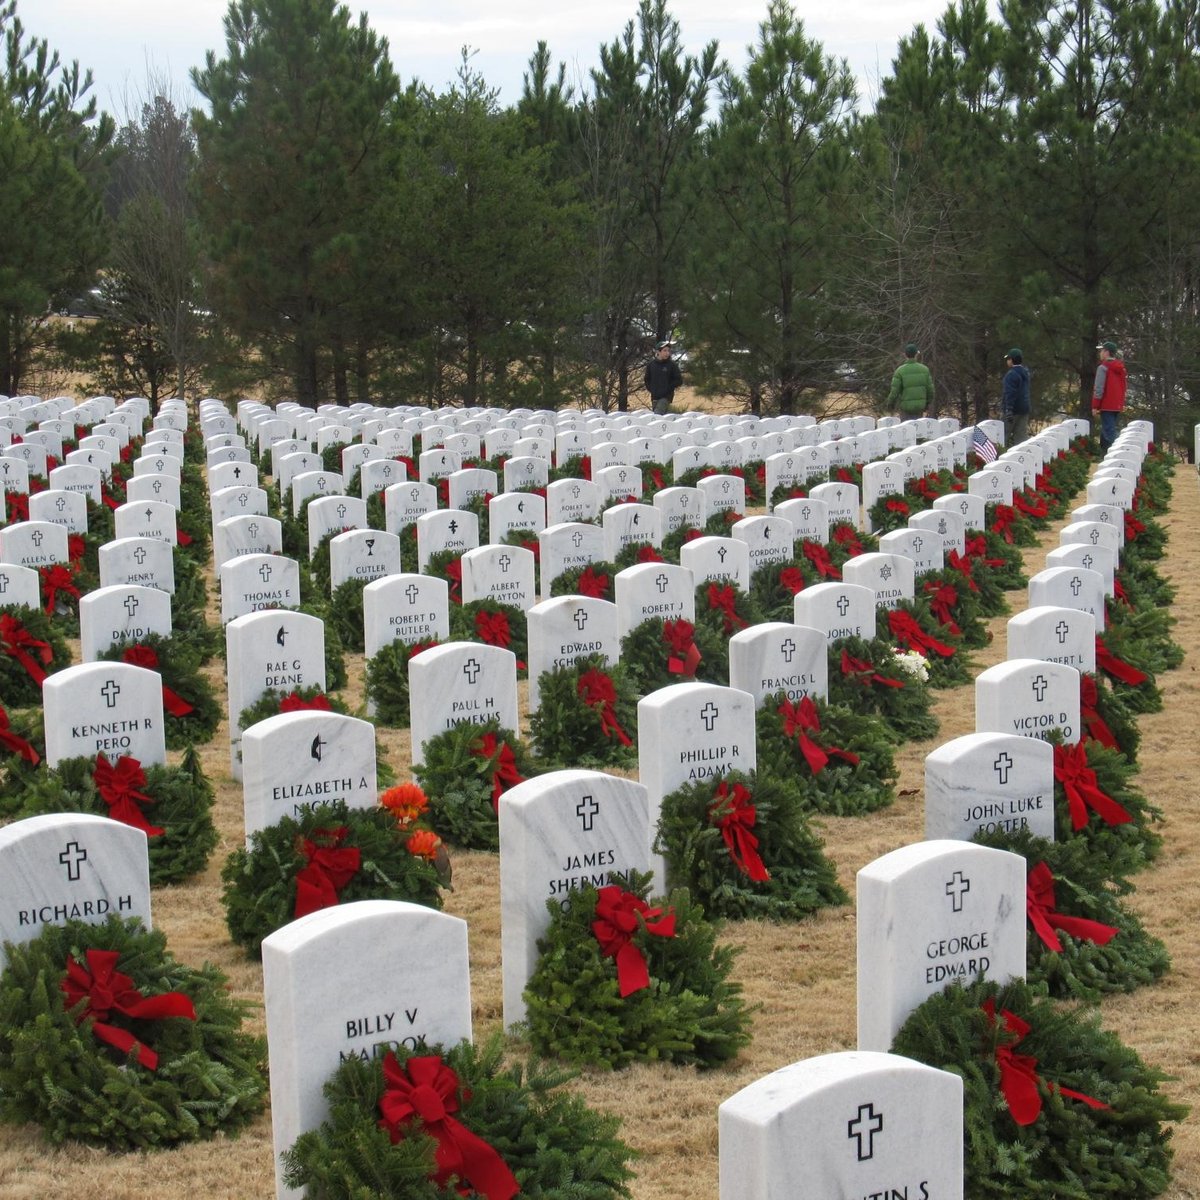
<point>779,657</point>
<point>566,629</point>
<point>109,708</point>
<point>121,614</point>
<point>1028,697</point>
<point>1054,634</point>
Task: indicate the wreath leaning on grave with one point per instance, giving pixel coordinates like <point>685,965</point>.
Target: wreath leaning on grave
<point>743,845</point>
<point>658,653</point>
<point>171,805</point>
<point>912,628</point>
<point>870,678</point>
<point>621,980</point>
<point>387,681</point>
<point>330,854</point>
<point>492,1130</point>
<point>466,771</point>
<point>31,647</point>
<point>587,716</point>
<point>492,623</point>
<point>1083,942</point>
<point>22,749</point>
<point>191,712</point>
<point>834,760</point>
<point>1053,1106</point>
<point>304,699</point>
<point>106,1039</point>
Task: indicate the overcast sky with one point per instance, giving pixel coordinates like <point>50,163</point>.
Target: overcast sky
<point>124,42</point>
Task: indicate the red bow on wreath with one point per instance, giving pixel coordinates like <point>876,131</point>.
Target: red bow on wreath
<point>792,578</point>
<point>962,564</point>
<point>1079,782</point>
<point>1133,527</point>
<point>724,601</point>
<point>505,773</point>
<point>1120,594</point>
<point>118,787</point>
<point>648,554</point>
<point>1003,520</point>
<point>106,991</point>
<point>1039,905</point>
<point>76,548</point>
<point>819,557</point>
<point>617,920</point>
<point>976,547</point>
<point>864,672</point>
<point>329,866</point>
<point>1089,717</point>
<point>1031,505</point>
<point>907,632</point>
<point>799,720</point>
<point>17,642</point>
<point>1019,1082</point>
<point>18,745</point>
<point>294,702</point>
<point>597,690</point>
<point>18,506</point>
<point>55,579</point>
<point>897,506</point>
<point>425,1089</point>
<point>139,655</point>
<point>454,580</point>
<point>942,598</point>
<point>1118,668</point>
<point>735,816</point>
<point>684,657</point>
<point>848,540</point>
<point>593,583</point>
<point>493,628</point>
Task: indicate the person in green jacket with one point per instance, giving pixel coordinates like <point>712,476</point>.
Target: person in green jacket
<point>912,387</point>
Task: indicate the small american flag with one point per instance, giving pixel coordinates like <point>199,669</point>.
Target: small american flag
<point>983,445</point>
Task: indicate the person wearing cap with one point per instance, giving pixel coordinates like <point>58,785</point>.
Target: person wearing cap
<point>1014,403</point>
<point>1108,396</point>
<point>663,376</point>
<point>912,386</point>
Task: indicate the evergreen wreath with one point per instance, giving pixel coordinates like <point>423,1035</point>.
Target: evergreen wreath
<point>58,1069</point>
<point>447,565</point>
<point>597,580</point>
<point>636,553</point>
<point>836,761</point>
<point>1120,956</point>
<point>868,678</point>
<point>1106,717</point>
<point>466,770</point>
<point>191,712</point>
<point>397,860</point>
<point>491,623</point>
<point>173,802</point>
<point>1005,563</point>
<point>587,716</point>
<point>721,523</point>
<point>685,1009</point>
<point>891,512</point>
<point>556,1147</point>
<point>658,653</point>
<point>955,605</point>
<point>190,598</point>
<point>1095,801</point>
<point>742,844</point>
<point>1010,525</point>
<point>846,541</point>
<point>773,588</point>
<point>271,703</point>
<point>22,750</point>
<point>912,627</point>
<point>1066,1149</point>
<point>61,587</point>
<point>726,609</point>
<point>1140,586</point>
<point>1145,538</point>
<point>31,647</point>
<point>387,681</point>
<point>346,614</point>
<point>679,537</point>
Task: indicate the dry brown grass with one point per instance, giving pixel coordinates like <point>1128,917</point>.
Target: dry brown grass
<point>802,976</point>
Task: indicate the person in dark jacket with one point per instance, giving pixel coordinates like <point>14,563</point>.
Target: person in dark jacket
<point>663,376</point>
<point>1014,405</point>
<point>1108,396</point>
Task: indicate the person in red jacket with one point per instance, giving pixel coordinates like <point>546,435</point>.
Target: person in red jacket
<point>1108,396</point>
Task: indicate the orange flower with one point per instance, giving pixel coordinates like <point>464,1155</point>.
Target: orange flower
<point>406,802</point>
<point>424,843</point>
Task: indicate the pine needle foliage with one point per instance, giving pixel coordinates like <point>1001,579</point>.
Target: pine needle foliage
<point>17,686</point>
<point>569,732</point>
<point>906,710</point>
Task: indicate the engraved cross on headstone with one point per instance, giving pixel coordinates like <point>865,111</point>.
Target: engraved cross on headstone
<point>139,555</point>
<point>863,1129</point>
<point>789,649</point>
<point>1002,766</point>
<point>843,605</point>
<point>110,691</point>
<point>131,605</point>
<point>72,857</point>
<point>265,572</point>
<point>957,886</point>
<point>1076,585</point>
<point>662,581</point>
<point>709,714</point>
<point>1062,629</point>
<point>581,618</point>
<point>471,670</point>
<point>586,811</point>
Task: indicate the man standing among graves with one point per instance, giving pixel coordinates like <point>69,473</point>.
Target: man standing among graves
<point>1014,405</point>
<point>663,376</point>
<point>1108,396</point>
<point>912,386</point>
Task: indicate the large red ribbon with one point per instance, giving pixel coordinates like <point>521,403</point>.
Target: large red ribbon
<point>736,816</point>
<point>962,564</point>
<point>1133,527</point>
<point>1119,593</point>
<point>493,628</point>
<point>427,1089</point>
<point>17,744</point>
<point>1118,668</point>
<point>17,642</point>
<point>976,547</point>
<point>140,655</point>
<point>505,773</point>
<point>56,578</point>
<point>294,702</point>
<point>329,866</point>
<point>1039,904</point>
<point>597,690</point>
<point>818,555</point>
<point>897,506</point>
<point>107,991</point>
<point>76,548</point>
<point>907,632</point>
<point>1083,792</point>
<point>792,578</point>
<point>1003,520</point>
<point>648,554</point>
<point>1031,505</point>
<point>454,580</point>
<point>799,720</point>
<point>724,601</point>
<point>593,583</point>
<point>1019,1081</point>
<point>618,916</point>
<point>684,657</point>
<point>864,672</point>
<point>942,598</point>
<point>1089,716</point>
<point>845,537</point>
<point>118,787</point>
<point>18,506</point>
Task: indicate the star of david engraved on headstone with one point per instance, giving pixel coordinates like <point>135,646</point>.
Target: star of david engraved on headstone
<point>885,572</point>
<point>957,886</point>
<point>862,1130</point>
<point>586,810</point>
<point>109,692</point>
<point>709,714</point>
<point>73,857</point>
<point>1002,766</point>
